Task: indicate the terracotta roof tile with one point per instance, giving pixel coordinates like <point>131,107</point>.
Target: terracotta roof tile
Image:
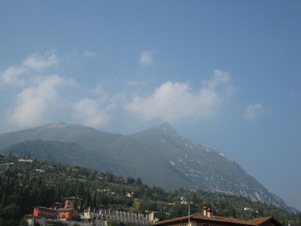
<point>65,209</point>
<point>226,220</point>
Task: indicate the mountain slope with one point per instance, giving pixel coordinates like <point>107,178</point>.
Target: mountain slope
<point>56,151</point>
<point>118,154</point>
<point>82,135</point>
<point>205,167</point>
<point>157,155</point>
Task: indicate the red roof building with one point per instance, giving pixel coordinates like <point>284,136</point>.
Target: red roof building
<point>206,219</point>
<point>40,211</point>
<point>62,213</point>
<point>66,213</point>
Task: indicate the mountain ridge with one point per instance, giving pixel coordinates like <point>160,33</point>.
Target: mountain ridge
<point>158,155</point>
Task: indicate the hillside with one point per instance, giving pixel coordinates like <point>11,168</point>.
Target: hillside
<point>158,155</point>
<point>204,166</point>
<point>26,183</point>
<point>56,151</point>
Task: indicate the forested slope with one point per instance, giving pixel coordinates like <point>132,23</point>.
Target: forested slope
<point>26,184</point>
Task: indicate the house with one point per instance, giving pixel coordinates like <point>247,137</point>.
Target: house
<point>207,219</point>
<point>57,205</point>
<point>25,160</point>
<point>127,218</point>
<point>91,213</point>
<point>62,213</point>
<point>71,201</point>
<point>66,213</point>
<point>40,211</point>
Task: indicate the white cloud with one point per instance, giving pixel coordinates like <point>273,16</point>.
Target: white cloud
<point>96,112</point>
<point>38,62</point>
<point>31,64</point>
<point>89,112</point>
<point>37,95</point>
<point>253,111</point>
<point>221,80</point>
<point>88,54</point>
<point>11,76</point>
<point>174,100</point>
<point>135,83</point>
<point>146,57</point>
<point>35,101</point>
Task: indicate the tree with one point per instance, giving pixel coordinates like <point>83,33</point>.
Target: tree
<point>87,200</point>
<point>178,210</point>
<point>130,180</point>
<point>136,205</point>
<point>139,181</point>
<point>75,203</point>
<point>11,211</point>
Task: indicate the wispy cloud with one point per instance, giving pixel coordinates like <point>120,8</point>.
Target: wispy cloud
<point>37,95</point>
<point>96,112</point>
<point>38,62</point>
<point>174,100</point>
<point>11,76</point>
<point>33,103</point>
<point>253,111</point>
<point>31,64</point>
<point>89,112</point>
<point>88,54</point>
<point>146,57</point>
<point>135,83</point>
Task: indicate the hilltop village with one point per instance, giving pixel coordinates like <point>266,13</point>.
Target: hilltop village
<point>46,193</point>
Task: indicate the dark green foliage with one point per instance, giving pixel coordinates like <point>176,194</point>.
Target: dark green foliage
<point>56,223</point>
<point>22,187</point>
<point>155,156</point>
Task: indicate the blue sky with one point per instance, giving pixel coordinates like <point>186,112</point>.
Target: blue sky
<point>223,73</point>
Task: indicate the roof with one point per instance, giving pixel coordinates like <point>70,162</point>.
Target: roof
<point>218,219</point>
<point>260,221</point>
<point>72,198</point>
<point>44,208</point>
<point>65,210</point>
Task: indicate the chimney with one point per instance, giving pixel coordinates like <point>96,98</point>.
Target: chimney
<point>207,211</point>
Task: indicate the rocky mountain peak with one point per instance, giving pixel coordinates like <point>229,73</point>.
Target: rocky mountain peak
<point>158,155</point>
<point>166,129</point>
<point>55,125</point>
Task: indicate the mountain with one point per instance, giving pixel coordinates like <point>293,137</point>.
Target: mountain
<point>205,167</point>
<point>159,156</point>
<point>56,151</point>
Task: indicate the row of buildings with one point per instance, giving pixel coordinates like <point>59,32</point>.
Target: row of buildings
<point>62,211</point>
<point>206,218</point>
<point>120,216</point>
<point>65,211</point>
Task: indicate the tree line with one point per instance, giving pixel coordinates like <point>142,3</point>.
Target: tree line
<point>25,185</point>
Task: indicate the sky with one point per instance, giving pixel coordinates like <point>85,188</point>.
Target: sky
<point>223,73</point>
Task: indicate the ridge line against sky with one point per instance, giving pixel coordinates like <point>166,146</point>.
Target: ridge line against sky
<point>225,74</point>
<point>39,92</point>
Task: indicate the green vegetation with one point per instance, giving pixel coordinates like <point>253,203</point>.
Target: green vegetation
<point>157,155</point>
<point>24,185</point>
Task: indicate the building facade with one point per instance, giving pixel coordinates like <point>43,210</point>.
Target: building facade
<point>207,219</point>
<point>40,211</point>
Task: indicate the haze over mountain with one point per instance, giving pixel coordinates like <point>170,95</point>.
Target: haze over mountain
<point>159,156</point>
